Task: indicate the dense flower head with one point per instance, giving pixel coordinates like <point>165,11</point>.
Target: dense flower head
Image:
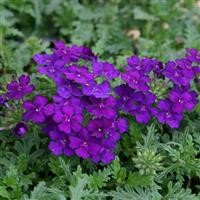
<point>81,117</point>
<point>18,89</point>
<point>84,115</point>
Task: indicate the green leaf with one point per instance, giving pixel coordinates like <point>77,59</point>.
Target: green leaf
<point>4,193</point>
<point>136,179</point>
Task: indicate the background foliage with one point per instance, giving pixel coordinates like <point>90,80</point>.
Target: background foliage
<point>154,162</point>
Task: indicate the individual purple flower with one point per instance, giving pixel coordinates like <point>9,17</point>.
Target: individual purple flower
<point>83,145</point>
<point>143,65</point>
<point>20,129</point>
<point>78,74</point>
<point>74,102</point>
<point>106,153</point>
<point>182,100</point>
<point>102,107</point>
<point>125,94</point>
<point>68,120</point>
<point>165,114</point>
<point>18,89</point>
<point>67,88</point>
<point>98,90</point>
<point>60,143</point>
<point>105,69</point>
<point>99,128</point>
<point>35,111</point>
<point>141,106</point>
<point>136,80</point>
<point>53,71</point>
<point>179,74</point>
<point>193,55</point>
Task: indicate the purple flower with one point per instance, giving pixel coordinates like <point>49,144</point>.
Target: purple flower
<point>136,80</point>
<point>193,55</point>
<point>78,74</point>
<point>20,129</point>
<point>141,106</point>
<point>179,72</point>
<point>53,71</point>
<point>98,90</point>
<point>45,59</point>
<point>125,94</point>
<point>105,69</point>
<point>83,145</point>
<point>143,65</point>
<point>106,153</point>
<point>68,120</point>
<point>81,52</point>
<point>67,88</point>
<point>55,148</point>
<point>165,114</point>
<point>59,144</point>
<point>182,100</point>
<point>102,107</point>
<point>20,88</point>
<point>121,125</point>
<point>74,102</point>
<point>99,128</point>
<point>35,111</point>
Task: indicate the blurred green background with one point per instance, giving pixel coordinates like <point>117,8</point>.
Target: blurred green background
<point>112,28</point>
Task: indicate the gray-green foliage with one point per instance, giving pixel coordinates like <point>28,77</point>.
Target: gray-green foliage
<point>153,162</point>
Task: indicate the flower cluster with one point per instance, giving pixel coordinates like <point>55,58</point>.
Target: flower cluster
<point>82,117</point>
<point>85,114</point>
<point>137,96</point>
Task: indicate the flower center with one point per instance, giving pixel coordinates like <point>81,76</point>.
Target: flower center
<point>180,101</point>
<point>135,81</point>
<point>143,108</point>
<point>101,105</point>
<point>84,143</point>
<point>176,74</point>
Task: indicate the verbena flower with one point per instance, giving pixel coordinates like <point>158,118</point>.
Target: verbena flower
<point>165,114</point>
<point>136,80</point>
<point>105,69</point>
<point>18,89</point>
<point>35,110</point>
<point>98,90</point>
<point>78,74</point>
<point>68,119</point>
<point>83,145</point>
<point>141,106</point>
<point>179,72</point>
<point>182,99</point>
<point>102,107</point>
<point>193,55</point>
